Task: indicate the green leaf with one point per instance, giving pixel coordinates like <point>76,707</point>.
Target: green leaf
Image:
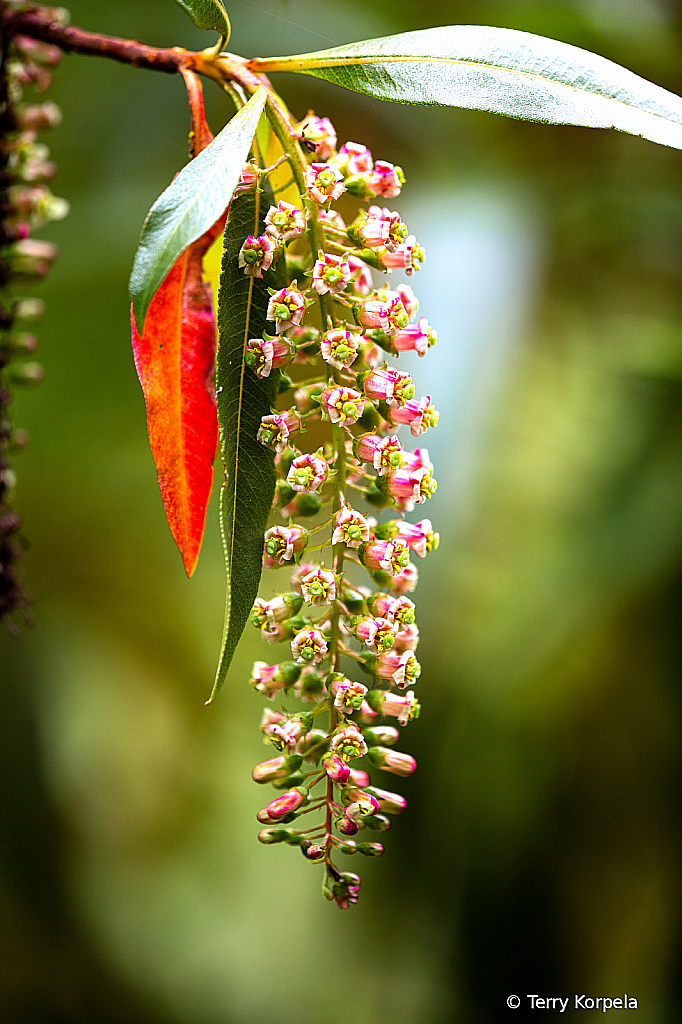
<point>500,70</point>
<point>191,204</point>
<point>208,14</point>
<point>243,398</point>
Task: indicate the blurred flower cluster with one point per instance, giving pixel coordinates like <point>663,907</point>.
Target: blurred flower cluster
<point>26,205</point>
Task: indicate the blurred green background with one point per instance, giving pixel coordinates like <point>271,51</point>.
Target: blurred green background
<point>540,852</point>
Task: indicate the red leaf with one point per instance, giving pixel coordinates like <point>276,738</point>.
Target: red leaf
<point>175,359</point>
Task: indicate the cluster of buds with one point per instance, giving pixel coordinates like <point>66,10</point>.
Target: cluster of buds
<point>26,205</point>
<point>332,318</point>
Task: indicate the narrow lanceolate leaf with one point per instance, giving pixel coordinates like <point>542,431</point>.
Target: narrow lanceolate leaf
<point>174,360</point>
<point>500,70</point>
<point>208,14</point>
<point>243,399</point>
<point>194,201</point>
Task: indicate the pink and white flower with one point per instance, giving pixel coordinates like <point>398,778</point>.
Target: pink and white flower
<point>348,696</point>
<point>390,555</point>
<point>361,275</point>
<point>385,453</point>
<point>309,647</point>
<point>391,386</point>
<point>404,707</point>
<point>266,679</point>
<point>285,221</point>
<point>417,337</point>
<point>317,135</point>
<point>279,729</point>
<point>269,679</point>
<point>404,582</point>
<point>363,806</point>
<point>416,459</point>
<point>324,183</point>
<point>403,669</point>
<point>263,355</point>
<point>394,609</point>
<point>354,158</point>
<point>373,315</point>
<point>275,430</point>
<point>395,231</point>
<point>419,415</point>
<point>348,743</point>
<point>406,296</point>
<point>372,232</point>
<point>350,528</point>
<point>319,586</point>
<point>407,256</point>
<point>281,543</point>
<point>339,348</point>
<point>407,639</point>
<point>256,255</point>
<point>308,472</point>
<point>386,180</point>
<point>419,537</point>
<point>411,486</point>
<point>297,575</point>
<point>377,634</point>
<point>331,274</point>
<point>286,307</point>
<point>342,405</point>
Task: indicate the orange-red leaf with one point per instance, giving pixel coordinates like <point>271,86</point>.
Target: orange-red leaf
<point>175,359</point>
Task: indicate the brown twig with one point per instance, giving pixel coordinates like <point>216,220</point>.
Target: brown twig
<point>40,24</point>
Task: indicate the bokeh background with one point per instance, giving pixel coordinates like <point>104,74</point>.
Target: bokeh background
<point>540,852</point>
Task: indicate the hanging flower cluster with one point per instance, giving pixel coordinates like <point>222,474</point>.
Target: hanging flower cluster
<point>26,205</point>
<point>331,320</point>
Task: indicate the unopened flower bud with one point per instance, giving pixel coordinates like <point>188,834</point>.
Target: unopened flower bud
<point>336,768</point>
<point>272,835</point>
<point>314,852</point>
<point>392,761</point>
<point>347,827</point>
<point>286,803</point>
<point>378,822</point>
<point>381,735</point>
<point>370,849</point>
<point>389,803</point>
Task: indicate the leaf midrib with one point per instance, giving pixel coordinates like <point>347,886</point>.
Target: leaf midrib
<point>241,389</point>
<point>285,64</point>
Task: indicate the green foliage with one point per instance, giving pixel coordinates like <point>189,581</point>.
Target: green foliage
<point>191,204</point>
<point>208,14</point>
<point>499,70</point>
<point>243,398</point>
